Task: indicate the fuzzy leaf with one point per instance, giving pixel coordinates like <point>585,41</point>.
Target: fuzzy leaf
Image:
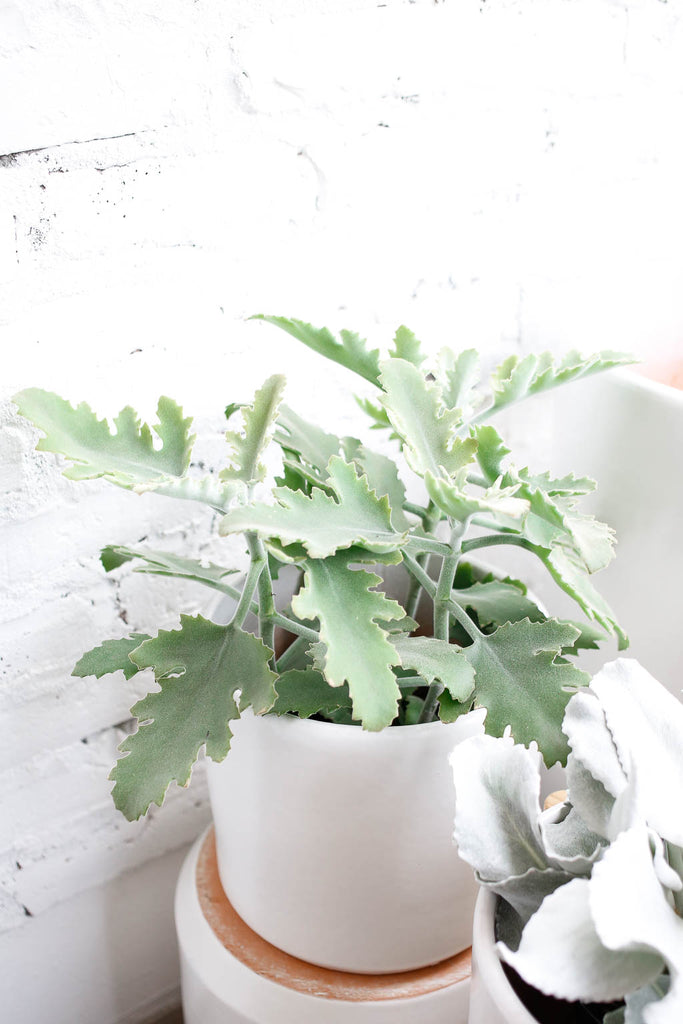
<point>314,445</point>
<point>458,374</point>
<point>437,660</point>
<point>162,563</point>
<point>521,686</point>
<point>418,415</point>
<point>306,693</point>
<point>320,523</point>
<point>491,452</point>
<point>451,710</point>
<point>407,346</point>
<point>382,477</point>
<point>570,961</point>
<point>351,352</point>
<point>127,457</point>
<point>199,668</point>
<point>572,579</point>
<point>568,841</point>
<point>358,651</point>
<point>565,487</point>
<point>247,446</point>
<point>498,601</point>
<point>497,790</point>
<point>516,378</point>
<point>110,656</point>
<point>645,723</point>
<point>452,498</point>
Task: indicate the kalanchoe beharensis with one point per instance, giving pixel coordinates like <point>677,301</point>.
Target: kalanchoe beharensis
<point>593,886</point>
<point>335,509</point>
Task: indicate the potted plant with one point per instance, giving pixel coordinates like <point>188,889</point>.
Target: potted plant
<point>583,898</point>
<point>369,864</point>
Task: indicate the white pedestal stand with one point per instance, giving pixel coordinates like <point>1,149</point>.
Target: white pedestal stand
<point>230,975</point>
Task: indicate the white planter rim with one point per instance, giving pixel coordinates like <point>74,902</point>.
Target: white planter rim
<point>637,381</point>
<point>489,968</point>
<point>417,731</point>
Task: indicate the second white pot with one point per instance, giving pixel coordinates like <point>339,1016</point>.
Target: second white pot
<point>335,844</point>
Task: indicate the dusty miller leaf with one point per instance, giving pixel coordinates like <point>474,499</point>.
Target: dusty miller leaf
<point>199,668</point>
<point>351,352</point>
<point>127,457</point>
<point>426,427</point>
<point>319,522</point>
<point>247,446</point>
<point>358,651</point>
<point>521,686</point>
<point>110,656</point>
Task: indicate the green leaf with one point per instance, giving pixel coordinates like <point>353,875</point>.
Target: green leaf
<point>458,375</point>
<point>162,563</point>
<point>306,693</point>
<point>127,457</point>
<point>521,686</point>
<point>573,580</point>
<point>497,602</point>
<point>491,452</point>
<point>589,638</point>
<point>297,435</point>
<point>383,478</point>
<point>452,498</point>
<point>516,378</point>
<point>376,413</point>
<point>351,352</point>
<point>437,661</point>
<point>450,710</point>
<point>319,522</point>
<point>568,486</point>
<point>406,346</point>
<point>553,521</point>
<point>248,446</point>
<point>358,651</point>
<point>426,427</point>
<point>199,668</point>
<point>111,656</point>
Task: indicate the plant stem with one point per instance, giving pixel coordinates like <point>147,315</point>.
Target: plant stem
<point>299,630</point>
<point>426,545</point>
<point>417,572</point>
<point>265,592</point>
<point>442,611</point>
<point>499,538</point>
<point>244,604</point>
<point>432,516</point>
<point>416,510</point>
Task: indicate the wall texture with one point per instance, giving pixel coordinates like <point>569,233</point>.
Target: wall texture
<point>498,173</point>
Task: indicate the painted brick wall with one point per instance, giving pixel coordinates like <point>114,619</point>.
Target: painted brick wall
<point>498,173</point>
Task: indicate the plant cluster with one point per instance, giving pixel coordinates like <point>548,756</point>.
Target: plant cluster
<point>592,888</point>
<point>338,507</point>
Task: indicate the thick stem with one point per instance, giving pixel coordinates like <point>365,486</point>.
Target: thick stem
<point>266,601</point>
<point>493,540</point>
<point>432,516</point>
<point>244,605</point>
<point>442,611</point>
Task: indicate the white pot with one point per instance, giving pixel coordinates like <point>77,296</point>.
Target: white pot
<point>492,998</point>
<point>627,433</point>
<point>230,975</point>
<point>335,844</point>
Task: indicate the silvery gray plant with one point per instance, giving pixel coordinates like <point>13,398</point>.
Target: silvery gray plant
<point>592,888</point>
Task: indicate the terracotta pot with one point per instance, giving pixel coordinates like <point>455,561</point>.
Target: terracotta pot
<point>230,975</point>
<point>335,844</point>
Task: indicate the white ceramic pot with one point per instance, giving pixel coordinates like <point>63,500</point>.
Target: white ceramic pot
<point>335,844</point>
<point>230,975</point>
<point>492,998</point>
<point>627,433</point>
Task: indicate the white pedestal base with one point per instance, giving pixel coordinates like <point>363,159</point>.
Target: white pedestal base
<point>230,975</point>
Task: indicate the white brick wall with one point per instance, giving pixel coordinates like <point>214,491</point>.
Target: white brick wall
<point>503,173</point>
